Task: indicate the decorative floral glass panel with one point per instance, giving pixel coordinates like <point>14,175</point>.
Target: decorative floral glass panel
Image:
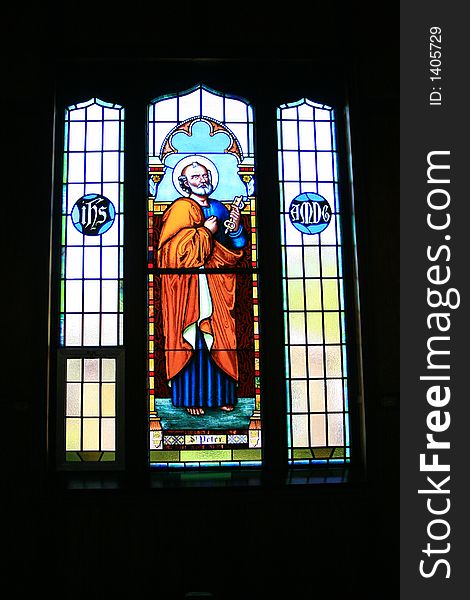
<point>91,302</point>
<point>203,339</point>
<point>317,385</point>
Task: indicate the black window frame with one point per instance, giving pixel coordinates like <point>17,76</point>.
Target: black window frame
<point>266,83</point>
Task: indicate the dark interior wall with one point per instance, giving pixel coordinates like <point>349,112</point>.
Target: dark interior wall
<point>245,542</point>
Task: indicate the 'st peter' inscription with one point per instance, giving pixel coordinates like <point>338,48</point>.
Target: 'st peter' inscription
<point>201,439</point>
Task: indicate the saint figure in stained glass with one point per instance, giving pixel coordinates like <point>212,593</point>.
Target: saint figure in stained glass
<point>204,240</point>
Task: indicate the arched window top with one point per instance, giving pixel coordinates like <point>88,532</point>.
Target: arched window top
<point>93,109</point>
<point>305,109</point>
<point>222,111</point>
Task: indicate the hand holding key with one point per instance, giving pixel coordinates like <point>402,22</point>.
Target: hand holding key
<point>233,223</point>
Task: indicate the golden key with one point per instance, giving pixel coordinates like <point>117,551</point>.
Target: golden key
<point>237,203</point>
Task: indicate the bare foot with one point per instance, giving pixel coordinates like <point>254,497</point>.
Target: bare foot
<point>227,408</point>
<point>195,411</point>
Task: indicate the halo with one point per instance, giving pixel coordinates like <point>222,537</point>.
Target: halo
<point>187,160</point>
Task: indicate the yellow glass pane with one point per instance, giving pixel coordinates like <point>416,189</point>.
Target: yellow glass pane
<point>91,399</point>
<point>91,434</point>
<point>317,395</point>
<point>329,262</point>
<point>315,361</point>
<point>332,329</point>
<point>74,369</point>
<point>300,431</point>
<point>72,434</point>
<point>333,361</point>
<point>297,362</point>
<point>296,294</point>
<point>330,294</point>
<point>318,429</point>
<point>108,400</point>
<point>108,435</point>
<point>298,391</point>
<point>313,294</point>
<point>334,394</point>
<point>314,328</point>
<point>297,328</point>
<point>335,430</point>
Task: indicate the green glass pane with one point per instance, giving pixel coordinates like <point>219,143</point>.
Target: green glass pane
<point>205,455</point>
<point>253,454</point>
<point>314,328</point>
<point>72,457</point>
<point>62,296</point>
<point>302,453</point>
<point>90,456</point>
<point>329,262</point>
<point>322,452</point>
<point>330,294</point>
<point>313,294</point>
<point>296,294</point>
<point>332,328</point>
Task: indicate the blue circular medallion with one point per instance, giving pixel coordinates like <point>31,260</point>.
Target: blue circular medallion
<point>93,214</point>
<point>310,213</point>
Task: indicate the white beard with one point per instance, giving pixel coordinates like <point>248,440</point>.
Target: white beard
<point>204,189</point>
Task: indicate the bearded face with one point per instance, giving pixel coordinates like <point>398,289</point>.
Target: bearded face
<point>197,179</point>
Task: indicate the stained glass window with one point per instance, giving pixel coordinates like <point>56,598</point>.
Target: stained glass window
<point>91,292</point>
<point>203,337</point>
<point>203,379</point>
<point>314,311</point>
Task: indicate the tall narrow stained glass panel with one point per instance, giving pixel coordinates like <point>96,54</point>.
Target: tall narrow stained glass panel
<point>203,338</point>
<point>91,293</point>
<point>317,383</point>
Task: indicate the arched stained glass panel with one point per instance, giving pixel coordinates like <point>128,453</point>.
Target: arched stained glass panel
<point>315,334</point>
<point>203,338</point>
<point>91,291</point>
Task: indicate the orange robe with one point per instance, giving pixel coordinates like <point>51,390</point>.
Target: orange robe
<point>185,243</point>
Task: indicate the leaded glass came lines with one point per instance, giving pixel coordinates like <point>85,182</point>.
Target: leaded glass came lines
<point>204,377</point>
<point>91,290</point>
<point>318,422</point>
